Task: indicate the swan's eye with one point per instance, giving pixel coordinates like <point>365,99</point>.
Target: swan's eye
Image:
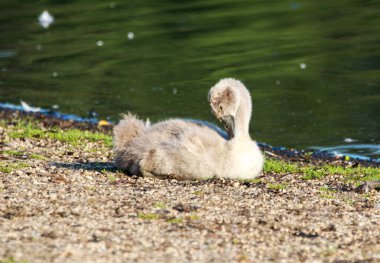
<point>220,107</point>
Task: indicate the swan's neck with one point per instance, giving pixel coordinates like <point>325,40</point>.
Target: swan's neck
<point>243,117</point>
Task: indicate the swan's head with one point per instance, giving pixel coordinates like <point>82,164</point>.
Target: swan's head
<point>224,99</point>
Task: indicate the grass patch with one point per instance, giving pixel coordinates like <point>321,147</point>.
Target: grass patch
<point>277,187</point>
<point>111,178</point>
<point>12,260</point>
<point>326,192</point>
<point>253,181</point>
<point>21,154</point>
<point>327,196</point>
<point>74,137</point>
<point>6,167</point>
<point>176,220</point>
<point>354,175</point>
<point>193,217</point>
<point>326,188</point>
<point>198,193</point>
<point>281,167</point>
<point>12,153</point>
<point>37,156</point>
<point>148,216</point>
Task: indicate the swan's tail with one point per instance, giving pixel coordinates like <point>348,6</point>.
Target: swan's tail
<point>126,130</point>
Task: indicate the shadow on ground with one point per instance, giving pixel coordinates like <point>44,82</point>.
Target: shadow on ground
<point>89,166</point>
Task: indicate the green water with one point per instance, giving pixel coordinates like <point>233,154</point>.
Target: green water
<point>313,67</point>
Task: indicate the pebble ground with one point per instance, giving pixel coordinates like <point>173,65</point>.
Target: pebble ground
<point>65,203</point>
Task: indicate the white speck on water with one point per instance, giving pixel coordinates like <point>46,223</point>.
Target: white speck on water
<point>4,69</point>
<point>131,35</point>
<point>55,74</point>
<point>175,91</point>
<point>349,140</point>
<point>303,66</point>
<point>112,5</point>
<point>45,19</point>
<point>38,47</point>
<point>100,43</point>
<point>319,101</point>
<point>278,82</point>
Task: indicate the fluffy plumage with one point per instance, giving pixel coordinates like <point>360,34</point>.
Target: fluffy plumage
<point>192,149</point>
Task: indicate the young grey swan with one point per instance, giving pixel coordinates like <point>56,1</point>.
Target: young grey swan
<point>191,149</point>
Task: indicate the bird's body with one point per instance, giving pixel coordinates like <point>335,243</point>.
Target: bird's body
<point>187,149</point>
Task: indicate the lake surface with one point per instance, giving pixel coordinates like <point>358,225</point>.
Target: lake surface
<point>313,67</point>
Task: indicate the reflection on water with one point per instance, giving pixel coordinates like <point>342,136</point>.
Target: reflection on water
<point>313,67</point>
<point>354,150</point>
<point>7,53</point>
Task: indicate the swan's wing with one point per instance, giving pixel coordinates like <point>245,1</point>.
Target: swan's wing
<point>210,125</point>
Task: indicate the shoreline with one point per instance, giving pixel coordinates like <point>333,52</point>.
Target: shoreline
<point>63,200</point>
<point>309,156</point>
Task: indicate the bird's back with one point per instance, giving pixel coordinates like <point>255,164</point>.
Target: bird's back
<point>179,148</point>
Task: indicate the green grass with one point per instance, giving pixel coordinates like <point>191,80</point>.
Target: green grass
<point>111,178</point>
<point>12,260</point>
<point>198,193</point>
<point>327,189</point>
<point>7,167</point>
<point>327,196</point>
<point>193,217</point>
<point>20,154</point>
<point>11,152</point>
<point>148,216</point>
<point>25,129</point>
<point>37,156</point>
<point>281,167</point>
<point>175,220</point>
<point>254,180</point>
<point>326,192</point>
<point>352,175</point>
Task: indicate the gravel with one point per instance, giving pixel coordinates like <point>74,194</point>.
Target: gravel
<point>74,206</point>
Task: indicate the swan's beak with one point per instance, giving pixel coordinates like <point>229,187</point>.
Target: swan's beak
<point>229,124</point>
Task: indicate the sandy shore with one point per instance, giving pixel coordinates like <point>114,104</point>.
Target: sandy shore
<point>66,203</point>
